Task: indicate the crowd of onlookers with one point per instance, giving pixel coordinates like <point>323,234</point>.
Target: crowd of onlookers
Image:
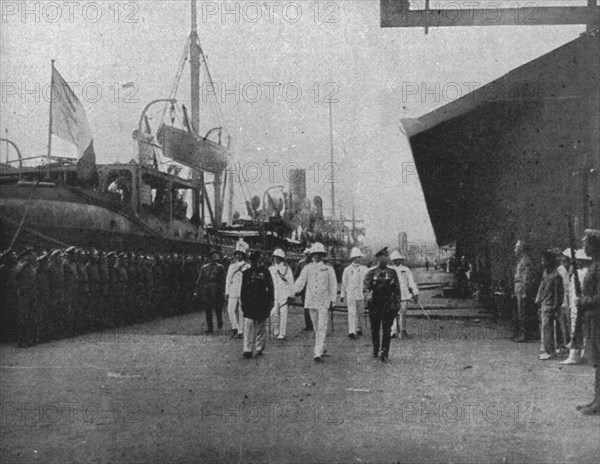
<point>547,304</point>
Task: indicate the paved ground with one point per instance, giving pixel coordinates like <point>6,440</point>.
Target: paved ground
<point>159,392</point>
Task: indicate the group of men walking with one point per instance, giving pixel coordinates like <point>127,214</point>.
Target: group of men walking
<point>254,294</point>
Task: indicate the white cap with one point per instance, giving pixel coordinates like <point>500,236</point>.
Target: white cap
<point>279,253</point>
<point>396,255</point>
<point>356,253</point>
<point>307,251</point>
<point>318,248</point>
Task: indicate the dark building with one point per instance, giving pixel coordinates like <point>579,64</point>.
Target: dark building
<point>509,160</point>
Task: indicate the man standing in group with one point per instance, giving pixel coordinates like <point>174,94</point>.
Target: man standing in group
<point>283,282</point>
<point>408,289</point>
<point>583,263</point>
<point>321,293</point>
<point>550,297</point>
<point>233,286</point>
<point>210,288</point>
<point>382,282</point>
<point>256,296</point>
<point>352,291</point>
<point>563,331</point>
<point>25,275</point>
<point>308,325</point>
<point>70,291</point>
<point>525,285</point>
<point>590,303</point>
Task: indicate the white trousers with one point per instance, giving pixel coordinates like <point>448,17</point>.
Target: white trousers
<point>356,309</point>
<point>279,316</point>
<point>236,317</point>
<point>320,322</point>
<point>254,335</point>
<point>402,317</point>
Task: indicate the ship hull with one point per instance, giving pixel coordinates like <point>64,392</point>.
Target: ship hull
<point>54,215</point>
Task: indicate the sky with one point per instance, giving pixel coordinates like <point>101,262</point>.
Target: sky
<point>274,68</point>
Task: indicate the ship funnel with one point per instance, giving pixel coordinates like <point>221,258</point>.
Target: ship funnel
<point>297,187</point>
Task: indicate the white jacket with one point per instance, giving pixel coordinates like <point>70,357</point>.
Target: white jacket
<point>352,282</point>
<point>233,282</point>
<point>408,287</point>
<point>581,273</point>
<point>283,281</point>
<point>321,285</point>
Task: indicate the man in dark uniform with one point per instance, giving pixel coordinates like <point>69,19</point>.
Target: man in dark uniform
<point>70,292</point>
<point>178,279</point>
<point>169,285</point>
<point>148,286</point>
<point>121,288</point>
<point>57,294</point>
<point>141,303</point>
<point>308,325</point>
<point>103,302</point>
<point>589,304</point>
<point>256,298</point>
<point>158,286</point>
<point>210,287</point>
<point>25,275</point>
<point>95,289</point>
<point>189,282</point>
<point>8,295</point>
<point>83,286</point>
<point>132,296</point>
<point>112,301</point>
<point>42,303</point>
<point>383,285</point>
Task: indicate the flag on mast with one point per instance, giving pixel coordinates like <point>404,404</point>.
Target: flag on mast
<point>70,123</point>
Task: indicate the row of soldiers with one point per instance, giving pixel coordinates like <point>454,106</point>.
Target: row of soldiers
<point>61,293</point>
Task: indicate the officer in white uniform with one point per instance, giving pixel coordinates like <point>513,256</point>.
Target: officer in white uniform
<point>283,283</point>
<point>321,294</point>
<point>408,289</point>
<point>233,287</point>
<point>352,291</point>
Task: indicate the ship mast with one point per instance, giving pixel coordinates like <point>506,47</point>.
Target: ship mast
<point>195,93</point>
<point>195,69</point>
<point>50,120</point>
<point>331,153</point>
<point>195,54</point>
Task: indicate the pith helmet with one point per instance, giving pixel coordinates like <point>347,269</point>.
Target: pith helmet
<point>396,255</point>
<point>241,247</point>
<point>279,253</point>
<point>356,253</point>
<point>579,254</point>
<point>318,248</point>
